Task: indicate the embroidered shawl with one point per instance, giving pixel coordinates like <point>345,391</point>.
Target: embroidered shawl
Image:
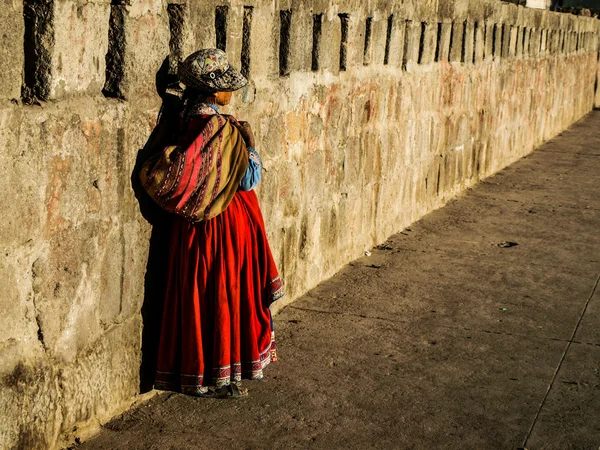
<point>198,178</point>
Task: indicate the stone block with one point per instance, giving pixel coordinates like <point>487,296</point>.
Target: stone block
<point>457,41</point>
<point>66,290</point>
<point>427,43</point>
<point>412,43</point>
<point>11,49</point>
<point>512,46</point>
<point>367,33</point>
<point>103,377</point>
<point>488,51</point>
<point>135,257</point>
<point>150,31</point>
<point>41,399</point>
<point>444,37</point>
<point>378,39</point>
<point>356,40</point>
<point>202,24</point>
<point>265,42</point>
<point>479,36</point>
<point>19,326</point>
<point>301,40</point>
<point>81,43</point>
<point>30,400</point>
<point>331,40</point>
<point>22,172</point>
<point>396,44</point>
<point>519,42</point>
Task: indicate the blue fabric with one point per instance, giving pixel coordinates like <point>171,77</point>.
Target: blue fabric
<point>253,172</point>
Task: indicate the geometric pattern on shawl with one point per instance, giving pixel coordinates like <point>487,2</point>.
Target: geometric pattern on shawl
<point>198,178</point>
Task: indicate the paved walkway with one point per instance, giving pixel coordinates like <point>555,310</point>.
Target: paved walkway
<point>477,328</point>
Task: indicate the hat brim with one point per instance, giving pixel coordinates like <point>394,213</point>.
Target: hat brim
<point>230,80</point>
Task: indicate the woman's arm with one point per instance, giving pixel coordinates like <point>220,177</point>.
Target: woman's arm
<point>253,172</point>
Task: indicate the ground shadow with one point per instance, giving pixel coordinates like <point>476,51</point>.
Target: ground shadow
<point>158,255</point>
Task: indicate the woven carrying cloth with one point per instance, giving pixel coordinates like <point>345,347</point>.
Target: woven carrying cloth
<point>209,70</point>
<point>198,178</point>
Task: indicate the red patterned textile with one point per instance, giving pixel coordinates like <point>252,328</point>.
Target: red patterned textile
<point>198,177</point>
<point>217,325</point>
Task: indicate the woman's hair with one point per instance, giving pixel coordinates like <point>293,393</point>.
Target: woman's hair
<point>179,105</point>
<point>191,97</point>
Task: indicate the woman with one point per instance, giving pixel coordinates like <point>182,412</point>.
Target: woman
<point>216,325</point>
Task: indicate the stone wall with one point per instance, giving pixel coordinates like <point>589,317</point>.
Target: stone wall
<point>368,115</point>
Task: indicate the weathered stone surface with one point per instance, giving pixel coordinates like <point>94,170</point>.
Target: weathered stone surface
<point>351,156</point>
<point>81,32</point>
<point>42,399</point>
<point>11,49</point>
<point>440,339</point>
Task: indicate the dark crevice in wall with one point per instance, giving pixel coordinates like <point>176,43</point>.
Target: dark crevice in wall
<point>316,40</point>
<point>40,333</point>
<point>505,41</point>
<point>221,15</point>
<point>559,42</point>
<point>344,19</point>
<point>452,39</point>
<point>285,22</point>
<point>438,43</point>
<point>115,57</point>
<point>246,40</point>
<point>475,31</point>
<point>463,53</point>
<point>485,41</point>
<point>38,45</point>
<point>494,39</point>
<point>422,42</point>
<point>388,39</point>
<point>35,274</point>
<point>407,28</point>
<point>523,38</point>
<point>529,46</point>
<point>367,47</point>
<point>121,152</point>
<point>176,23</point>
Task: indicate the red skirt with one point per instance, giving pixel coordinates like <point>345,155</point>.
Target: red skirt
<point>216,325</point>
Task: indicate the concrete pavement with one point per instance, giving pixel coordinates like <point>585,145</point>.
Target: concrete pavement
<point>477,328</point>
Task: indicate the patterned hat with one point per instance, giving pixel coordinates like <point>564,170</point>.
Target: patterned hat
<point>209,70</point>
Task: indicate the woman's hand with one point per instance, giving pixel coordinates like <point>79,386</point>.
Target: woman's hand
<point>246,132</point>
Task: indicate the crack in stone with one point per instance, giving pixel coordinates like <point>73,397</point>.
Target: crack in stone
<point>560,363</point>
<point>38,321</point>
